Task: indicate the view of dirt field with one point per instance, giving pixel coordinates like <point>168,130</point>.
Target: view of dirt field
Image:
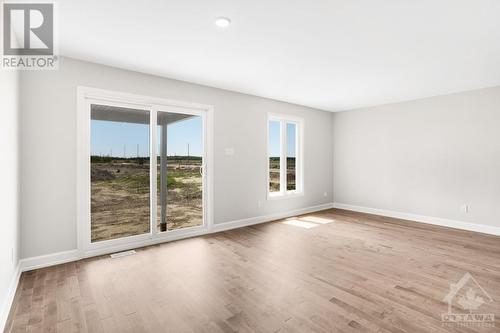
<point>120,204</point>
<point>120,196</point>
<point>274,174</point>
<point>184,194</point>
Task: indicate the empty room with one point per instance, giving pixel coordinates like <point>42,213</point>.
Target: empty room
<point>250,166</point>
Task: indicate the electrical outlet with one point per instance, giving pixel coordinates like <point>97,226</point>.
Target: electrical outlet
<point>259,203</point>
<point>464,209</point>
<point>325,194</point>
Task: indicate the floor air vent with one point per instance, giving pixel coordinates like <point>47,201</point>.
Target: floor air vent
<point>122,254</point>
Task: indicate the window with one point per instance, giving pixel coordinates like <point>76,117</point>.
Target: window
<point>144,170</point>
<point>284,151</point>
<point>180,176</point>
<point>120,173</point>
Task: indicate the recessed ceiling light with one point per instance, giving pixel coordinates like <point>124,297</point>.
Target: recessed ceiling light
<point>222,22</point>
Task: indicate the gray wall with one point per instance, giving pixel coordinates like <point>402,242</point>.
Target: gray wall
<point>9,189</point>
<point>427,157</point>
<point>49,142</point>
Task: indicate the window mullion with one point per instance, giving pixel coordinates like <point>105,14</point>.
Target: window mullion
<point>283,185</point>
<point>153,169</point>
<point>298,158</point>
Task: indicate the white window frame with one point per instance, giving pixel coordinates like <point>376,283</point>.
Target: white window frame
<point>284,119</point>
<point>86,96</point>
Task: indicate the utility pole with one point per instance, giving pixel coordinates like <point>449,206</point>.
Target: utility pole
<point>188,149</point>
<point>124,151</point>
<point>137,151</point>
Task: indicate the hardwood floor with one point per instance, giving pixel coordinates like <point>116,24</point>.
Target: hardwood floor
<point>331,271</point>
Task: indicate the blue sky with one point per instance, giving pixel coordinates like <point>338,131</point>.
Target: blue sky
<point>274,139</point>
<point>108,137</point>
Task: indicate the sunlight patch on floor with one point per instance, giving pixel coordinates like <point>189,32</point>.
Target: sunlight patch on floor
<point>315,219</point>
<point>301,224</point>
<point>307,222</point>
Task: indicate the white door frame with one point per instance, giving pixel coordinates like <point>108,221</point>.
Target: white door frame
<point>86,95</point>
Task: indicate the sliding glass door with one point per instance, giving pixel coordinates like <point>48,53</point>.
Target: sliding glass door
<point>119,172</point>
<point>146,172</point>
<point>180,170</point>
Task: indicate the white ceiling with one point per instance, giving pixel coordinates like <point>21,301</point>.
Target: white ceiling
<point>332,55</point>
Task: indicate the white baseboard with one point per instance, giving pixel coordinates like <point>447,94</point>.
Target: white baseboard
<point>267,218</point>
<point>29,264</point>
<point>52,259</point>
<point>485,229</point>
<point>135,245</point>
<point>11,292</point>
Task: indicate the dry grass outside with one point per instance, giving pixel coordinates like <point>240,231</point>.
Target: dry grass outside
<point>120,190</point>
<point>274,174</point>
<point>120,204</point>
<point>185,196</point>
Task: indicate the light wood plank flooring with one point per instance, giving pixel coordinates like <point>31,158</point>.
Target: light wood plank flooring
<point>331,271</point>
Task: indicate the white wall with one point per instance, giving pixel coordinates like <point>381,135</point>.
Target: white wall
<point>426,157</point>
<point>9,189</point>
<point>49,142</point>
